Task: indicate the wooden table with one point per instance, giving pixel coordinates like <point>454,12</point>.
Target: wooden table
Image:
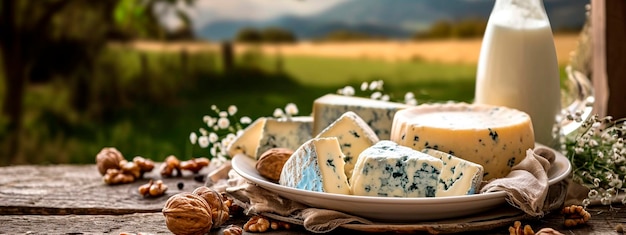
<point>72,199</point>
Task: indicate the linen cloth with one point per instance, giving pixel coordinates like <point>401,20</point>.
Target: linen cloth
<point>526,188</point>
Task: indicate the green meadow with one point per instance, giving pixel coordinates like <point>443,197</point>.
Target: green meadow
<point>147,103</point>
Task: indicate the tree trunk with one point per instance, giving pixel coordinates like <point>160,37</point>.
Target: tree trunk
<point>15,72</point>
<point>15,80</point>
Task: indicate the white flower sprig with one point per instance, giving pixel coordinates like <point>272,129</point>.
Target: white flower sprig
<point>221,129</point>
<point>290,110</point>
<point>598,157</point>
<point>375,90</point>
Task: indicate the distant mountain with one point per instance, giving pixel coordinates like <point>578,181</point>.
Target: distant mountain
<point>392,18</point>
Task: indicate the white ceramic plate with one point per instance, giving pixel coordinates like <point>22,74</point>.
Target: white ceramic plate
<point>391,208</point>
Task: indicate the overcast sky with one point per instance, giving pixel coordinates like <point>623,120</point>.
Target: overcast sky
<point>206,11</point>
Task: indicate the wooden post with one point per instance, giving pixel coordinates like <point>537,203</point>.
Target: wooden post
<point>608,22</point>
<point>227,56</point>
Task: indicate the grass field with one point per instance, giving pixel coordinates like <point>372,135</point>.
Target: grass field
<point>146,101</point>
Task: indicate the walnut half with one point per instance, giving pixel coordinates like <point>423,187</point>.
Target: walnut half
<point>271,162</point>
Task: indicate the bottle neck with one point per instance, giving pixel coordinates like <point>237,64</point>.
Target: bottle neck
<point>518,12</point>
<point>532,9</point>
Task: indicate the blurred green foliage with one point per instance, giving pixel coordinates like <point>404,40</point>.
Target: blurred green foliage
<point>466,28</point>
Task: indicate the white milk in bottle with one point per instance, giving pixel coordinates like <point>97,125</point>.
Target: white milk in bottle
<point>518,67</point>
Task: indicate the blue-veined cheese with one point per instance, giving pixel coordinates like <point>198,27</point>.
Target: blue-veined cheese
<point>354,136</point>
<point>390,170</point>
<point>495,137</point>
<point>458,177</point>
<point>377,114</point>
<point>266,133</point>
<point>318,166</point>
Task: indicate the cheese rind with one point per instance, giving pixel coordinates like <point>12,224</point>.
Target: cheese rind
<point>318,166</point>
<point>458,177</point>
<point>377,114</point>
<point>266,133</point>
<point>354,136</point>
<point>389,170</point>
<point>495,137</point>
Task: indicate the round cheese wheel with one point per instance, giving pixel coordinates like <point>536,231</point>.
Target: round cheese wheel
<point>495,137</point>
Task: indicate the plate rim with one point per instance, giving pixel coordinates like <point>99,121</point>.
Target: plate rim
<point>269,185</point>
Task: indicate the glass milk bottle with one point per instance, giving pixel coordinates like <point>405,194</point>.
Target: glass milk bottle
<point>518,67</point>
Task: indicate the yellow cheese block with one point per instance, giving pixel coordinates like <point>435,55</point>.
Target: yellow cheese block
<point>493,136</point>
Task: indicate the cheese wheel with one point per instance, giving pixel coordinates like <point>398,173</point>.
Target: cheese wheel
<point>493,136</point>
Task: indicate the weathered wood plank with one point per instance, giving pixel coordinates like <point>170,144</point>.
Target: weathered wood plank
<point>603,222</point>
<point>79,189</point>
<point>73,199</point>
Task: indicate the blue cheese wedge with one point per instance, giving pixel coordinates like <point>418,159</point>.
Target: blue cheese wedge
<point>389,170</point>
<point>495,137</point>
<point>318,166</point>
<point>377,114</point>
<point>458,177</point>
<point>354,136</point>
<point>266,133</point>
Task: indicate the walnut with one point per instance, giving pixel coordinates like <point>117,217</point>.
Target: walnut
<point>130,168</point>
<point>277,225</point>
<point>187,213</point>
<point>194,165</point>
<point>219,209</point>
<point>271,162</point>
<point>145,165</point>
<point>170,165</point>
<point>115,176</point>
<point>575,215</point>
<point>153,189</point>
<point>517,229</point>
<point>257,224</point>
<point>233,230</point>
<point>108,158</point>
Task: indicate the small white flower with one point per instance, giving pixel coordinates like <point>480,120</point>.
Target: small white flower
<point>348,91</point>
<point>203,131</point>
<point>245,120</point>
<point>385,98</point>
<point>203,141</point>
<point>373,85</point>
<point>376,95</point>
<point>291,109</point>
<point>239,132</point>
<point>379,85</point>
<point>206,119</point>
<point>223,114</point>
<point>210,122</point>
<point>213,107</point>
<point>193,137</point>
<point>278,113</point>
<point>231,137</point>
<point>213,151</point>
<point>213,137</point>
<point>232,110</point>
<point>223,123</point>
<point>409,96</point>
<point>364,86</point>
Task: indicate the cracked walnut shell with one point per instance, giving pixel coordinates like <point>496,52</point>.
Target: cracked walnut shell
<point>219,209</point>
<point>187,213</point>
<point>271,162</point>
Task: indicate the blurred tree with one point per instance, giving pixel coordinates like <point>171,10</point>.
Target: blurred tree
<point>269,35</point>
<point>249,35</point>
<point>43,38</point>
<point>347,35</point>
<point>277,35</point>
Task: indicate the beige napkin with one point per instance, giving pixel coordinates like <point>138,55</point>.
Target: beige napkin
<point>526,187</point>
